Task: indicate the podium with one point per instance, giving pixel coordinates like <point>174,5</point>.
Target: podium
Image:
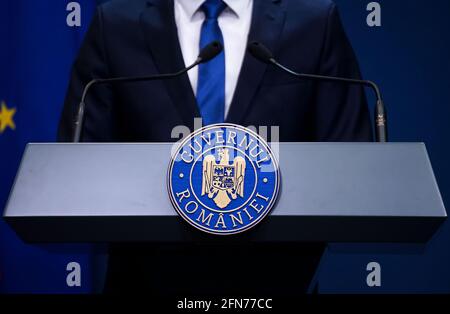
<point>330,192</point>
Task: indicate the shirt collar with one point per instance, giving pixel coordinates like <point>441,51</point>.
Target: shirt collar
<point>192,6</point>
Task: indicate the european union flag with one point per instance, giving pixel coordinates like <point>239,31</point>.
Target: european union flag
<point>38,43</point>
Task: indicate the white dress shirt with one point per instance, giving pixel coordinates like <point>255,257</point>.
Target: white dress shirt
<point>234,23</point>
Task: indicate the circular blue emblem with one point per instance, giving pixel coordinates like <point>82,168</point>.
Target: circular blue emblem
<point>223,179</point>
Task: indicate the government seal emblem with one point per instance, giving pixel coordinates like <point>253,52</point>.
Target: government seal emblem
<point>223,179</point>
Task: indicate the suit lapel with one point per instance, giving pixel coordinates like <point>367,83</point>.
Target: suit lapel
<point>160,31</point>
<point>267,24</point>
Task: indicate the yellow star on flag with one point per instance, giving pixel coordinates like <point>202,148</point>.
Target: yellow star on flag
<point>6,118</point>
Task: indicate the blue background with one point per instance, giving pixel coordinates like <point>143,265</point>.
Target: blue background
<point>408,56</point>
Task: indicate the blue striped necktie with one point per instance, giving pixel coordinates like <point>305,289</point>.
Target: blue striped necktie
<point>211,75</point>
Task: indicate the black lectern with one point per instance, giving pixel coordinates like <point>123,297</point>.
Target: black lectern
<point>332,192</point>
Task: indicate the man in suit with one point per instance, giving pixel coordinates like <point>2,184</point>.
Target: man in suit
<point>142,37</point>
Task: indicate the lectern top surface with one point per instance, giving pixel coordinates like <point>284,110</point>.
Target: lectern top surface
<point>317,179</point>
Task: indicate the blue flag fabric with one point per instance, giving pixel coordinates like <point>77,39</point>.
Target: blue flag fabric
<point>38,43</point>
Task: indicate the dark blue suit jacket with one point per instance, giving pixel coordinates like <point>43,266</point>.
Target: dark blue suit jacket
<point>139,37</point>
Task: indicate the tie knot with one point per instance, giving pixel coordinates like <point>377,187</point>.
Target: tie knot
<point>213,8</point>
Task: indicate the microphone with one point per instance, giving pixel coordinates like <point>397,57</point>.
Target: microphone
<point>208,53</point>
<point>263,54</point>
